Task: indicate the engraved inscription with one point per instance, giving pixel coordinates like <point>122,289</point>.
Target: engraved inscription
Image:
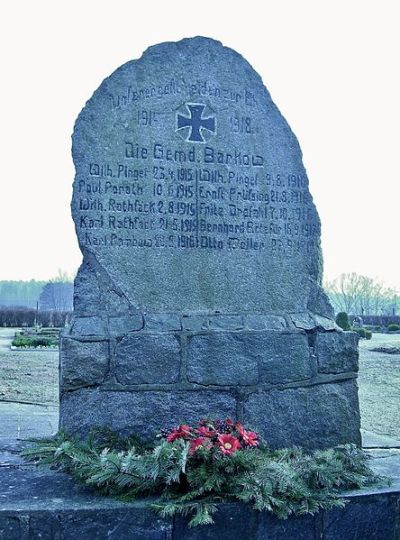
<point>175,199</point>
<point>181,87</point>
<point>200,188</point>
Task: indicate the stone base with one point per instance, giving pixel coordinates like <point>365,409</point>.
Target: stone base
<point>47,505</point>
<point>291,378</point>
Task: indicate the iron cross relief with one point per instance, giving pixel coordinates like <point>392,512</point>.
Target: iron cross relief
<point>195,122</point>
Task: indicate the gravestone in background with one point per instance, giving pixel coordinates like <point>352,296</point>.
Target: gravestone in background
<point>200,289</point>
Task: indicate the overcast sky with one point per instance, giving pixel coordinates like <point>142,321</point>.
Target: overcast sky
<point>332,67</point>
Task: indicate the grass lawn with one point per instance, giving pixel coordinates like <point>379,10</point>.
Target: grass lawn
<point>27,376</point>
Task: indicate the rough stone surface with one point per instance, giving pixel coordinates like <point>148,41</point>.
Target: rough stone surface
<point>118,326</point>
<point>87,292</point>
<point>11,527</point>
<point>195,322</point>
<point>264,322</point>
<point>284,358</point>
<point>88,326</point>
<point>222,359</point>
<point>163,322</point>
<point>319,416</point>
<point>336,352</point>
<point>325,323</point>
<point>114,524</point>
<point>143,358</point>
<point>295,528</point>
<point>318,302</point>
<point>200,239</point>
<point>83,364</point>
<point>226,322</point>
<point>235,521</point>
<point>248,358</point>
<point>371,517</point>
<point>305,321</point>
<point>143,412</point>
<point>190,192</point>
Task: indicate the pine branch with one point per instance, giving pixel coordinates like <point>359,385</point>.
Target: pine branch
<point>285,482</point>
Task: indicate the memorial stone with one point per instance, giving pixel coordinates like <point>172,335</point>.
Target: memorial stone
<point>200,288</point>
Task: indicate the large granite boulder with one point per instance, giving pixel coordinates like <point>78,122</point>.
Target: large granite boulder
<point>200,289</point>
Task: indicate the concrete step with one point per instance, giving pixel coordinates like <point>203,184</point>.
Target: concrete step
<point>43,504</point>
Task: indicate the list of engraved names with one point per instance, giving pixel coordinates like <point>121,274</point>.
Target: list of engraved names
<point>197,198</point>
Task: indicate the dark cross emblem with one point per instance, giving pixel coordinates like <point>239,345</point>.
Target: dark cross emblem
<point>195,122</point>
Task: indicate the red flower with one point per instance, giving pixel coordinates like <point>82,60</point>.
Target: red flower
<point>180,432</point>
<point>195,443</point>
<point>239,427</point>
<point>228,444</point>
<point>200,441</point>
<point>229,422</point>
<point>206,431</point>
<point>250,438</point>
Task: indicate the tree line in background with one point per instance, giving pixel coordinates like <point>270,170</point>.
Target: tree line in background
<point>20,293</point>
<point>25,303</point>
<point>55,294</point>
<point>31,303</point>
<point>362,296</point>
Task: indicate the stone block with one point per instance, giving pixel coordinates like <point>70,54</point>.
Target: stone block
<point>336,352</point>
<point>147,358</point>
<point>264,322</point>
<point>233,521</point>
<point>195,322</point>
<point>12,527</point>
<point>295,528</point>
<point>39,503</point>
<point>308,321</point>
<point>144,412</point>
<point>121,325</point>
<point>325,323</point>
<point>88,326</point>
<point>317,416</point>
<point>115,524</point>
<point>226,322</point>
<point>162,322</point>
<point>304,321</point>
<point>45,525</point>
<point>222,358</point>
<point>247,358</point>
<point>284,357</point>
<point>372,517</point>
<point>83,363</point>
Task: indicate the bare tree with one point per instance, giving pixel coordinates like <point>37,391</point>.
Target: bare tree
<point>362,295</point>
<point>56,296</point>
<point>344,292</point>
<point>62,277</point>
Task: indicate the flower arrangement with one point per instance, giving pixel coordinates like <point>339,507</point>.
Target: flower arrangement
<point>191,468</point>
<point>225,437</point>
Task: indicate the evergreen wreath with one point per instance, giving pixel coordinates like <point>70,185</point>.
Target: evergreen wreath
<point>192,468</point>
